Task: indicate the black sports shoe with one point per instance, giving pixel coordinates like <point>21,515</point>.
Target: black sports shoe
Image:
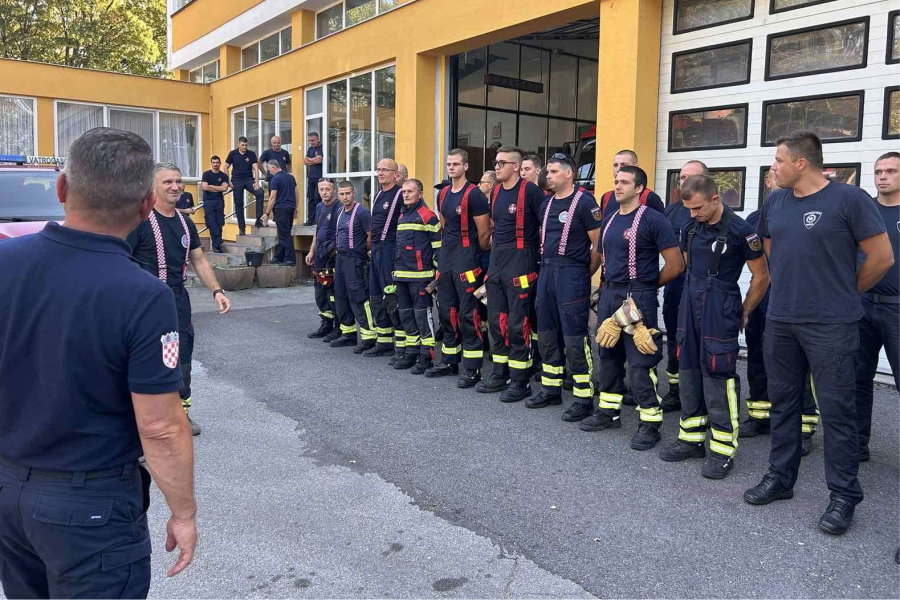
<point>682,450</point>
<point>542,400</point>
<point>752,428</point>
<point>275,261</point>
<point>672,400</point>
<point>628,399</point>
<point>363,347</point>
<point>376,351</point>
<point>469,379</point>
<point>577,412</point>
<point>422,365</point>
<point>838,515</point>
<point>600,420</point>
<point>324,329</point>
<point>343,340</point>
<point>864,455</point>
<point>646,437</point>
<point>258,223</point>
<point>517,391</point>
<point>442,370</point>
<point>405,362</point>
<point>806,444</point>
<point>768,490</point>
<point>308,223</point>
<point>335,334</point>
<point>496,383</point>
<point>290,263</point>
<point>717,466</point>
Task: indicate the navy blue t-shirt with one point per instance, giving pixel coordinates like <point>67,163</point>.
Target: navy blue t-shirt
<point>450,210</point>
<point>586,218</point>
<point>212,178</point>
<point>742,244</point>
<point>362,224</point>
<point>381,206</point>
<point>186,200</point>
<point>326,220</point>
<point>241,164</point>
<point>143,244</point>
<point>655,234</point>
<point>890,283</point>
<point>81,328</point>
<point>503,212</point>
<point>314,171</point>
<point>285,187</point>
<point>812,260</point>
<point>282,156</point>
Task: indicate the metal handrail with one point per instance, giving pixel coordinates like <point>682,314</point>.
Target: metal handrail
<point>231,214</point>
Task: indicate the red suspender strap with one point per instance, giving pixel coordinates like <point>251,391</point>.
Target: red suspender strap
<point>644,195</point>
<point>494,195</point>
<point>605,201</point>
<point>441,197</point>
<point>464,216</point>
<point>520,216</point>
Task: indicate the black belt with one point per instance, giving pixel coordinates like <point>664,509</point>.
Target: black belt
<point>29,472</point>
<point>882,299</point>
<point>635,287</point>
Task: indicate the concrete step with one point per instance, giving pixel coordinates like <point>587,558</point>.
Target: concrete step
<point>257,240</point>
<point>303,230</point>
<point>241,248</point>
<point>217,259</point>
<point>266,232</point>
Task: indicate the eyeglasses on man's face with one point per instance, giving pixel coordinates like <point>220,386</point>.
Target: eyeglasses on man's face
<point>499,164</point>
<point>382,170</point>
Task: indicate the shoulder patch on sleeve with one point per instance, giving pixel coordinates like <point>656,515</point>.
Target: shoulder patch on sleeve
<point>754,242</point>
<point>597,213</point>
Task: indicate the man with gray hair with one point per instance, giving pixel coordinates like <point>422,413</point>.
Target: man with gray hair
<point>282,205</point>
<point>164,245</point>
<point>91,386</point>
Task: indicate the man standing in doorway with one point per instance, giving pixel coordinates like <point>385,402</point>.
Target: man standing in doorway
<point>244,176</point>
<point>276,152</point>
<point>283,206</point>
<point>214,184</point>
<point>313,162</point>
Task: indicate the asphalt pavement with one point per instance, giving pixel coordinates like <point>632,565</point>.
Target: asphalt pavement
<point>324,474</point>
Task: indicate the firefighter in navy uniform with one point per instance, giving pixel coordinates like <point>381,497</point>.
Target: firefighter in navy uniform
<point>418,241</point>
<point>716,245</point>
<point>164,245</point>
<point>678,215</point>
<point>321,257</point>
<point>464,213</point>
<point>386,208</point>
<point>631,242</point>
<point>812,231</point>
<point>512,276</point>
<point>353,233</point>
<point>570,225</point>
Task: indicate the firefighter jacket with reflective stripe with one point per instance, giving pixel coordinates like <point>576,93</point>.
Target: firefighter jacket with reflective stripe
<point>418,238</point>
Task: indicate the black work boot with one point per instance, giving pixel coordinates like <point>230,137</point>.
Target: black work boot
<point>469,379</point>
<point>324,329</point>
<point>335,334</point>
<point>864,455</point>
<point>806,444</point>
<point>646,437</point>
<point>422,364</point>
<point>753,427</point>
<point>542,400</point>
<point>768,490</point>
<point>577,412</point>
<point>375,351</point>
<point>717,466</point>
<point>671,401</point>
<point>398,354</point>
<point>497,382</point>
<point>344,340</point>
<point>838,515</point>
<point>363,347</point>
<point>517,391</point>
<point>442,370</point>
<point>600,420</point>
<point>681,450</point>
<point>405,362</point>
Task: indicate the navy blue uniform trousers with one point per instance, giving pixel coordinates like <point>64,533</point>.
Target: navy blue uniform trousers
<point>671,300</point>
<point>185,340</point>
<point>239,186</point>
<point>214,215</point>
<point>879,327</point>
<point>284,221</point>
<point>387,325</point>
<point>74,537</point>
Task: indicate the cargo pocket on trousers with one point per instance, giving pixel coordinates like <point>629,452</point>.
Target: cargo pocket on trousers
<point>72,510</point>
<point>720,356</point>
<point>125,554</point>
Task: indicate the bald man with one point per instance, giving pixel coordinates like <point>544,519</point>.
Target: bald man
<point>402,174</point>
<point>386,208</point>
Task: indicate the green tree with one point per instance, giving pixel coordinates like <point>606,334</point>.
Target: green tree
<point>127,36</point>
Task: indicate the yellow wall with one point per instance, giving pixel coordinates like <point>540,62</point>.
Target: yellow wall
<point>202,16</point>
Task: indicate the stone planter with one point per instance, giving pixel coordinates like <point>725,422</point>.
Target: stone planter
<point>275,276</point>
<point>235,278</point>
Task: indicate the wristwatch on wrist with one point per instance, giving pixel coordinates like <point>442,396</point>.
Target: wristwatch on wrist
<point>218,291</point>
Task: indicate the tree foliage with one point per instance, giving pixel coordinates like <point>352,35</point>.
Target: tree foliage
<point>127,36</point>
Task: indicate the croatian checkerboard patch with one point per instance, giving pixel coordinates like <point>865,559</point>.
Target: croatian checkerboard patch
<point>170,349</point>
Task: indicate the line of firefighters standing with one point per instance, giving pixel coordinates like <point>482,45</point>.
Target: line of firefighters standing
<point>510,268</point>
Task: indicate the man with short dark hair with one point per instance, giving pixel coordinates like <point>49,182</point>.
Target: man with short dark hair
<point>531,168</point>
<point>89,382</point>
<point>214,184</point>
<point>313,162</point>
<point>277,153</point>
<point>185,204</point>
<point>244,176</point>
<point>880,326</point>
<point>626,158</point>
<point>812,230</point>
<point>282,206</point>
<point>321,257</point>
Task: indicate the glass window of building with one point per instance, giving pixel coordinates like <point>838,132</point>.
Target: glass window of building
<point>17,126</point>
<point>179,142</point>
<point>135,121</point>
<point>250,56</point>
<point>891,127</point>
<point>206,73</point>
<point>700,14</point>
<point>834,118</point>
<point>504,62</point>
<point>711,67</point>
<point>385,113</point>
<point>893,41</point>
<point>782,5</point>
<point>269,47</point>
<point>708,128</point>
<point>536,69</point>
<point>564,79</point>
<point>286,40</point>
<point>819,49</point>
<point>359,11</point>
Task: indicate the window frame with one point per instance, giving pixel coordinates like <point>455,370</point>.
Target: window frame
<point>775,11</point>
<point>674,113</point>
<point>202,67</point>
<point>258,43</point>
<point>743,170</point>
<point>862,102</point>
<point>34,126</point>
<point>675,30</point>
<point>888,56</point>
<point>851,165</point>
<point>886,113</point>
<point>676,55</point>
<point>865,57</point>
<point>344,26</point>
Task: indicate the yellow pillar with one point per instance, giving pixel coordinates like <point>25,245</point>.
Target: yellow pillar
<point>628,84</point>
<point>303,27</point>
<point>181,75</point>
<point>415,110</point>
<point>46,127</point>
<point>229,60</point>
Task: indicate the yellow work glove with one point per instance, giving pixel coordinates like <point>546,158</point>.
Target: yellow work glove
<point>643,338</point>
<point>608,333</point>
